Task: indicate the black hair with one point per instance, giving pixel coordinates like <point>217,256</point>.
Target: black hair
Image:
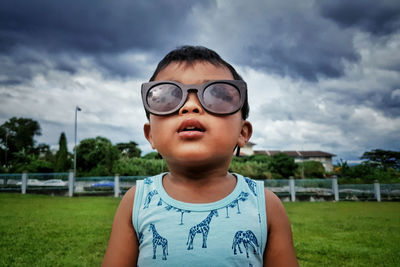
<point>191,54</point>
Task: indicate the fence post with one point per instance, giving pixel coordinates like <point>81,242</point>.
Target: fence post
<point>71,184</point>
<point>335,189</point>
<point>24,182</point>
<point>377,191</point>
<point>116,185</point>
<point>292,190</point>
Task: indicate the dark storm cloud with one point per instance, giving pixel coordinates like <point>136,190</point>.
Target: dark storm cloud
<point>301,39</point>
<point>377,17</point>
<point>307,59</point>
<point>18,65</point>
<point>92,26</point>
<point>288,38</point>
<point>97,29</point>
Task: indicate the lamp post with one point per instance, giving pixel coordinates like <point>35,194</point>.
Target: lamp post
<point>6,149</point>
<point>76,124</point>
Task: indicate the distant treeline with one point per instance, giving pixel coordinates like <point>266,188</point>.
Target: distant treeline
<point>99,157</point>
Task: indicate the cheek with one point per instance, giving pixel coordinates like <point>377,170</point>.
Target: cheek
<point>228,131</point>
<point>160,130</point>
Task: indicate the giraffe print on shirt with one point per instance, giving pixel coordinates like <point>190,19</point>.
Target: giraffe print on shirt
<point>203,227</point>
<point>148,198</point>
<point>158,240</point>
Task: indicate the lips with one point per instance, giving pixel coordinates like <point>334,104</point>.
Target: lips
<point>191,128</point>
<point>191,125</point>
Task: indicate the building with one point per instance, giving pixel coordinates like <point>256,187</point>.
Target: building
<point>247,150</point>
<point>299,156</point>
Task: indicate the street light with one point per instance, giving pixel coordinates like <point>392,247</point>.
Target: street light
<point>76,124</point>
<point>6,148</point>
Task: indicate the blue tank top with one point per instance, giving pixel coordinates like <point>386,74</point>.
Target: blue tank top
<point>228,232</point>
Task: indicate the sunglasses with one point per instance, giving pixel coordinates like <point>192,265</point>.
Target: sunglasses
<point>221,97</point>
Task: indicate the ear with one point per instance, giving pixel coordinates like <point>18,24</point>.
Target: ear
<point>245,133</point>
<point>148,135</point>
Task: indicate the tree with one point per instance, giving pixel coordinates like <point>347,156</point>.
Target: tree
<point>96,156</point>
<point>129,150</point>
<point>383,158</point>
<point>43,152</point>
<point>62,159</point>
<point>367,172</point>
<point>182,211</point>
<point>17,140</point>
<point>37,165</point>
<point>235,203</point>
<point>342,169</point>
<point>283,165</point>
<point>152,155</point>
<point>260,158</point>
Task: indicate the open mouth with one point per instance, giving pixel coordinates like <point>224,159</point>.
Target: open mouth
<point>191,125</point>
<point>192,129</point>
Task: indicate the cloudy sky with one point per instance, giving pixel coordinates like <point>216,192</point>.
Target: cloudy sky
<point>322,75</point>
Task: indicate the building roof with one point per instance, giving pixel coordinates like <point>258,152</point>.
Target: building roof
<point>296,154</point>
<point>250,144</point>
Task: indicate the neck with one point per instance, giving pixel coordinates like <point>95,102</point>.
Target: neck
<point>198,173</point>
<point>195,171</point>
<point>199,183</point>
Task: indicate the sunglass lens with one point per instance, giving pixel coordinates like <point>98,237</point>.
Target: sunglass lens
<point>221,98</point>
<point>164,97</point>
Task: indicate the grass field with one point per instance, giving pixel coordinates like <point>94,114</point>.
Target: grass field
<point>346,233</point>
<point>37,230</point>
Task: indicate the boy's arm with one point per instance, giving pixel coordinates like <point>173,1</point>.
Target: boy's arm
<point>123,248</point>
<point>280,249</point>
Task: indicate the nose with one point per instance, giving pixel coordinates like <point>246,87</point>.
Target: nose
<point>192,105</point>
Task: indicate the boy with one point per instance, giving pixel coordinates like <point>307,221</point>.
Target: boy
<point>198,214</point>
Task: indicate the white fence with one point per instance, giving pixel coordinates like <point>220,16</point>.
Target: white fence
<point>286,189</point>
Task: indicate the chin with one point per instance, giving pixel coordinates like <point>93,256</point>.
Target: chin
<point>193,157</point>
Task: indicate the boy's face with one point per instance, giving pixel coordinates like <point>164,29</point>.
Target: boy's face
<point>193,135</point>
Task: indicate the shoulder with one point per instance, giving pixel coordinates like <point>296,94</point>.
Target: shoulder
<point>130,194</point>
<point>272,200</point>
<point>126,204</point>
<point>280,250</point>
<point>274,208</point>
<point>122,249</point>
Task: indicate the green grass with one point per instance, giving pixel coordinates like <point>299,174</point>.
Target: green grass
<point>346,233</point>
<point>37,230</point>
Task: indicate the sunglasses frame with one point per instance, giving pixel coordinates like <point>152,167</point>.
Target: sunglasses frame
<point>240,85</point>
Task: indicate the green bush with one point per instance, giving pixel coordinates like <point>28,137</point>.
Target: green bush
<point>310,169</point>
<point>369,173</point>
<point>36,166</point>
<point>283,165</point>
<point>139,166</point>
<point>252,169</point>
<point>99,170</point>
